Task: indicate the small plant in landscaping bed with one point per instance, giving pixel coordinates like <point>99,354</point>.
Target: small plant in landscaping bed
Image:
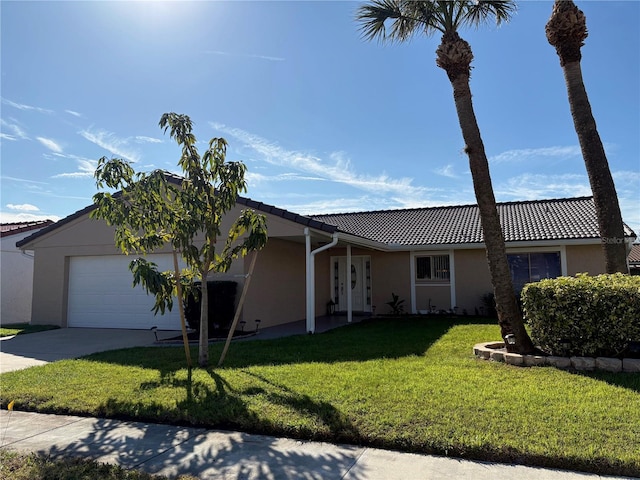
<point>396,304</point>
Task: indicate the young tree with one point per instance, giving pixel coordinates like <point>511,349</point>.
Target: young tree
<point>567,31</point>
<point>150,213</point>
<point>408,18</point>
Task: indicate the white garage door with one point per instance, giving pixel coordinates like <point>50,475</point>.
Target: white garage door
<point>101,294</point>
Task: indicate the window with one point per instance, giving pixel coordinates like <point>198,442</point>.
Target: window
<point>434,267</point>
<point>531,267</point>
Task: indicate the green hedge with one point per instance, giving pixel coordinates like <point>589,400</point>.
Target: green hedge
<point>583,315</point>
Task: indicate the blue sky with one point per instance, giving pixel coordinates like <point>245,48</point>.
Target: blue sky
<point>325,121</point>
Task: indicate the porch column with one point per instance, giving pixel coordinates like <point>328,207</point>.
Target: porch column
<point>452,280</point>
<point>311,278</point>
<point>310,284</point>
<point>349,280</point>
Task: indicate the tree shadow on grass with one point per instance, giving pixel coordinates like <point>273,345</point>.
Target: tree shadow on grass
<point>329,423</point>
<point>368,340</point>
<point>178,449</point>
<point>630,381</point>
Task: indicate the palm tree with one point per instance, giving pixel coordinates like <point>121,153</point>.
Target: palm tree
<point>454,55</point>
<point>566,31</point>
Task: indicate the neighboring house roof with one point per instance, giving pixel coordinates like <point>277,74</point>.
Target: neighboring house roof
<point>634,256</point>
<point>559,219</point>
<point>8,229</point>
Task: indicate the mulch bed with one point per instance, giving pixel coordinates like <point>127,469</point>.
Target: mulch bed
<point>215,335</point>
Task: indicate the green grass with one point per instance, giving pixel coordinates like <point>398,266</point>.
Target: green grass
<point>409,384</point>
<point>9,329</point>
<point>18,466</point>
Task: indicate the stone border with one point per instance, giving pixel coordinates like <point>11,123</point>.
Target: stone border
<point>495,351</point>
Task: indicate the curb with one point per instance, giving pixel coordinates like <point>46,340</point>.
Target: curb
<point>494,351</point>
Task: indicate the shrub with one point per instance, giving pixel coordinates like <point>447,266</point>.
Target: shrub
<point>583,315</point>
<point>222,301</point>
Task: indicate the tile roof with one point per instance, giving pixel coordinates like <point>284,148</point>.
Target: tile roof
<point>7,229</point>
<point>634,256</point>
<point>262,207</point>
<point>559,219</point>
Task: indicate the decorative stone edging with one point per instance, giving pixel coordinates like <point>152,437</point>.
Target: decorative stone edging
<point>495,351</point>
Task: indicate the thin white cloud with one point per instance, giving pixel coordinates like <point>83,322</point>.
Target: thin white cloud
<point>627,178</point>
<point>245,55</point>
<point>143,139</point>
<point>6,136</point>
<point>537,186</point>
<point>50,144</point>
<point>16,131</point>
<point>74,113</point>
<point>21,180</point>
<point>446,171</point>
<point>111,143</point>
<point>527,154</point>
<point>11,217</point>
<point>23,106</point>
<point>86,169</point>
<point>254,178</point>
<point>336,169</point>
<point>25,207</point>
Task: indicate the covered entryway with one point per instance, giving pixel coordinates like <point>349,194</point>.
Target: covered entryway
<point>101,294</point>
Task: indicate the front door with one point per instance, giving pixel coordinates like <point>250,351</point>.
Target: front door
<point>359,283</point>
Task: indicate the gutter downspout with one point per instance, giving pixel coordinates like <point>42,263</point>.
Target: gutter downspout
<point>349,280</point>
<point>311,284</point>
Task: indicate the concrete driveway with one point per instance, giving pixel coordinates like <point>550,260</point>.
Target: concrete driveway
<point>22,351</point>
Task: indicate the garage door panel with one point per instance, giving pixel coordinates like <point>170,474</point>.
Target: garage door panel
<point>101,294</point>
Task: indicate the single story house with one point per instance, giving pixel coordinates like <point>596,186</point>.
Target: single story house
<point>16,274</point>
<point>433,258</point>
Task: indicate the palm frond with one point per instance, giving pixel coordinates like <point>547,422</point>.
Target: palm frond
<point>483,11</point>
<point>372,18</point>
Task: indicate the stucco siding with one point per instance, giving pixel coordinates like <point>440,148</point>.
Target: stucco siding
<point>434,297</point>
<point>16,280</point>
<point>472,279</point>
<point>585,259</point>
<point>390,274</point>
<point>276,293</point>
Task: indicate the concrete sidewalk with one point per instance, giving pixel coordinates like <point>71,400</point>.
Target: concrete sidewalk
<point>215,454</point>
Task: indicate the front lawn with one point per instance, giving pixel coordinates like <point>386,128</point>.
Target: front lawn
<point>410,384</point>
<point>10,329</point>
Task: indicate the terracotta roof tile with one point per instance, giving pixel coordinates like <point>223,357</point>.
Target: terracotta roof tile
<point>7,229</point>
<point>634,256</point>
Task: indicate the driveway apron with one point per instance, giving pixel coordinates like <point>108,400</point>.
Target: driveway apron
<point>22,351</point>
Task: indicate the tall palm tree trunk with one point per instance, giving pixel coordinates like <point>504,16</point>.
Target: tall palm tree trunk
<point>566,31</point>
<point>454,55</point>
